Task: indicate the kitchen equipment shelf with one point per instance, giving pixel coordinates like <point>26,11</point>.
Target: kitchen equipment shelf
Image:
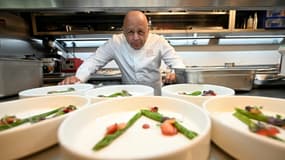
<point>216,23</point>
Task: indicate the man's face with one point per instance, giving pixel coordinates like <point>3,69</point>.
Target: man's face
<point>136,30</point>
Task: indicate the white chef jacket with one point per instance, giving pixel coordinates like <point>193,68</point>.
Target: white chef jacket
<point>137,66</point>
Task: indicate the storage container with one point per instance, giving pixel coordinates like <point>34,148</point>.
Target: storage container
<point>271,23</point>
<point>235,78</point>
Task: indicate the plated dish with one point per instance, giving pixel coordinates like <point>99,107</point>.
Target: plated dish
<point>253,120</point>
<point>36,123</point>
<point>118,91</point>
<point>71,89</point>
<point>196,93</point>
<point>144,134</point>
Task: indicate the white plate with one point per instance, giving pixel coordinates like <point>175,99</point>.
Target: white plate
<point>133,89</point>
<point>234,137</point>
<point>29,138</point>
<point>175,89</point>
<point>82,130</point>
<point>80,89</point>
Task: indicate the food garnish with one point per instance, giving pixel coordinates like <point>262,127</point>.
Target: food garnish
<point>12,121</point>
<point>169,127</point>
<point>261,126</point>
<point>199,93</point>
<point>109,138</point>
<point>160,118</point>
<point>254,112</point>
<point>123,93</point>
<point>71,89</point>
<point>145,126</point>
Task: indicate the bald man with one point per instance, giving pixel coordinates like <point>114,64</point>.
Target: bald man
<point>137,52</point>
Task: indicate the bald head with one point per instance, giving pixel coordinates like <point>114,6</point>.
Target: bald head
<point>135,28</point>
<point>135,17</point>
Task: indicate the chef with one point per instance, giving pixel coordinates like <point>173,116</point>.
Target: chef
<point>136,51</point>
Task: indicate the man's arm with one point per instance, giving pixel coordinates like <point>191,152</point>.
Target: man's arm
<point>97,60</point>
<point>172,60</point>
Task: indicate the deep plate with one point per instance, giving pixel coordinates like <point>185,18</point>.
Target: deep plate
<point>29,138</point>
<point>133,89</point>
<point>173,90</point>
<point>81,131</point>
<point>234,137</point>
<point>80,89</point>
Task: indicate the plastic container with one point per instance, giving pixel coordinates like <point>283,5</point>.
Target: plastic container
<point>275,13</point>
<point>249,22</point>
<point>255,20</point>
<point>278,23</point>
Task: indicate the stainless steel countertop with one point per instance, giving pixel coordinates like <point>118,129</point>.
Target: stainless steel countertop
<point>55,153</point>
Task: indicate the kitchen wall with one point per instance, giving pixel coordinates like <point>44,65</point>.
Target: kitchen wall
<point>218,58</point>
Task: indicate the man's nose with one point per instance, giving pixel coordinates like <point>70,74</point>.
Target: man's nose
<point>136,36</point>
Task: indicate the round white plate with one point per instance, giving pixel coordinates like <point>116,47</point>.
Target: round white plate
<point>175,89</point>
<point>88,126</point>
<point>79,89</point>
<point>29,138</point>
<point>133,89</point>
<point>234,137</point>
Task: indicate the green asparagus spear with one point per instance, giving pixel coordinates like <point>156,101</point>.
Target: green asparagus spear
<point>123,93</point>
<point>257,127</point>
<point>159,117</point>
<point>42,116</point>
<point>11,125</point>
<point>34,118</point>
<point>111,137</point>
<point>259,117</point>
<point>251,125</point>
<point>62,91</point>
<point>189,134</point>
<point>152,115</point>
<point>64,110</point>
<point>196,93</point>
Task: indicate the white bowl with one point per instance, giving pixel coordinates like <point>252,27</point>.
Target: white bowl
<point>29,138</point>
<point>234,137</point>
<point>79,89</point>
<point>133,89</point>
<point>82,130</point>
<point>175,89</point>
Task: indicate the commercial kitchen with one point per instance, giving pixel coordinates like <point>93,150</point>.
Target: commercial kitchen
<point>236,44</point>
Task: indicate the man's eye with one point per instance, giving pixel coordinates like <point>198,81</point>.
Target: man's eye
<point>141,33</point>
<point>130,32</point>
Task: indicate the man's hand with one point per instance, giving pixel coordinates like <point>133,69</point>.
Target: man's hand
<point>69,80</point>
<point>169,78</point>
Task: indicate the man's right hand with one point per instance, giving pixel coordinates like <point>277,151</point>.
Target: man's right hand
<point>69,80</point>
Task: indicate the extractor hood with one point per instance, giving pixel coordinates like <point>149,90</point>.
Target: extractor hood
<point>109,5</point>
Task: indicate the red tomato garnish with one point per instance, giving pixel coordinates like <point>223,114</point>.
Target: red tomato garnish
<point>145,126</point>
<point>66,110</point>
<point>112,129</point>
<point>154,109</point>
<point>270,131</point>
<point>262,132</point>
<point>167,128</point>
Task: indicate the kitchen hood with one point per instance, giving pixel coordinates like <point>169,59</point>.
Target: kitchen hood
<point>109,5</point>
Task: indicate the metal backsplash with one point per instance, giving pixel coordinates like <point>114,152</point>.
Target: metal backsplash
<point>108,5</point>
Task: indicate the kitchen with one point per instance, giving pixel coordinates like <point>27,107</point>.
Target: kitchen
<point>218,35</point>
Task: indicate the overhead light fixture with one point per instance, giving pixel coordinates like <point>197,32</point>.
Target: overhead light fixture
<point>254,36</point>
